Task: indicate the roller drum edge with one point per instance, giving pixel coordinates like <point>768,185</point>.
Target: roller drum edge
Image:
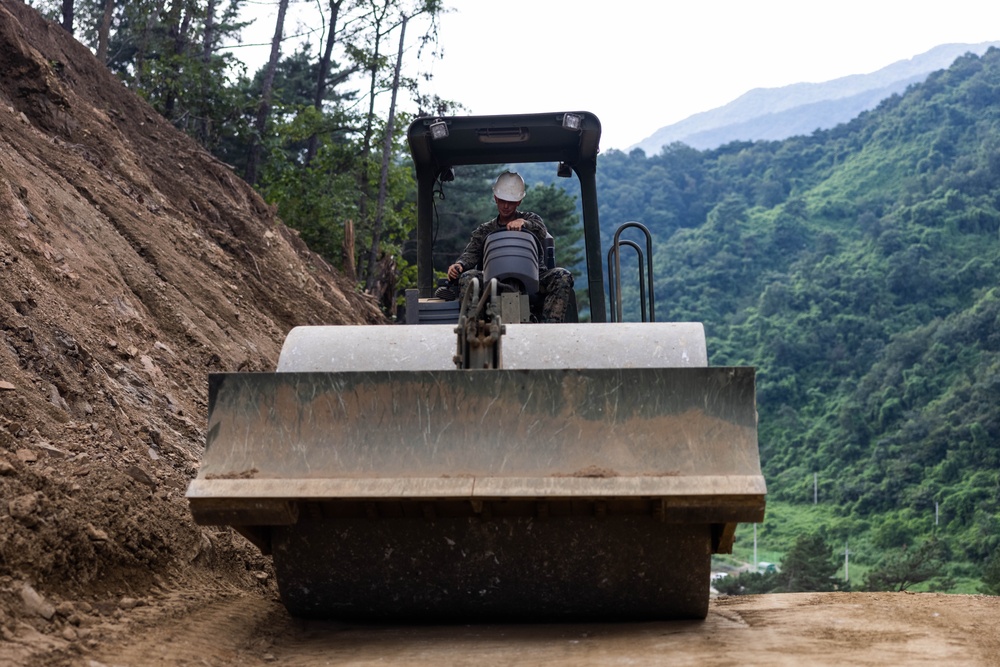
<point>504,569</point>
<point>525,346</point>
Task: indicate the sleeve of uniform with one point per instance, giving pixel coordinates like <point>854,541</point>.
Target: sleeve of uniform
<point>534,223</point>
<point>472,256</point>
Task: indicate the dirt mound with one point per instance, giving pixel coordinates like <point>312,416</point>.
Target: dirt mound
<point>132,263</point>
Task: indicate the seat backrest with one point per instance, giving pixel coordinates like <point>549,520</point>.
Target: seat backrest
<point>512,257</point>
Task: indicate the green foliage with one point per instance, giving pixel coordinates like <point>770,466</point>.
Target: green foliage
<point>748,583</point>
<point>322,163</point>
<point>902,568</point>
<point>858,270</point>
<point>808,565</point>
<point>315,199</point>
<point>167,54</point>
<point>558,210</point>
<point>991,575</point>
<point>460,206</point>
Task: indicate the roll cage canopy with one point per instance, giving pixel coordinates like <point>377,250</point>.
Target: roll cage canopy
<point>570,138</point>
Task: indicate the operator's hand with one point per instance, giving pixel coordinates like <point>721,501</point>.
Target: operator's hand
<point>515,225</point>
<point>454,270</point>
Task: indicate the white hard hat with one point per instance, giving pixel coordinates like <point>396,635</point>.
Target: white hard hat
<point>509,186</point>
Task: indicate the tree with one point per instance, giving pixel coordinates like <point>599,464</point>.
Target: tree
<point>171,54</point>
<point>104,30</point>
<point>382,19</point>
<point>264,106</point>
<point>748,583</point>
<point>991,575</point>
<point>178,25</point>
<point>383,178</point>
<point>907,566</point>
<point>558,209</point>
<point>67,15</point>
<point>323,74</point>
<point>808,566</point>
<point>460,205</point>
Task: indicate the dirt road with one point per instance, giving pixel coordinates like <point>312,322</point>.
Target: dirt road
<point>213,624</point>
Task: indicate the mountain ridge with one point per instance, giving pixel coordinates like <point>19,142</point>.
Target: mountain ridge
<point>778,113</point>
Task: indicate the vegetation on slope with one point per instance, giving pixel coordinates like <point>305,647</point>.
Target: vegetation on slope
<point>859,270</point>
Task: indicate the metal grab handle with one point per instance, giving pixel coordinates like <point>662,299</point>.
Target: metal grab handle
<point>616,310</point>
<point>614,273</point>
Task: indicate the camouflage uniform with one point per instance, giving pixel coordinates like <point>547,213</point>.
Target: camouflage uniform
<point>554,285</point>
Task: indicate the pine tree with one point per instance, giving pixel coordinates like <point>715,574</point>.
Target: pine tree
<point>808,566</point>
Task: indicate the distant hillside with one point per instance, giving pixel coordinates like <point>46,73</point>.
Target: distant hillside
<point>801,108</point>
<point>857,268</point>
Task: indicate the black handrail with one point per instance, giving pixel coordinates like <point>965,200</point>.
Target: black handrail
<point>616,310</point>
<point>614,274</point>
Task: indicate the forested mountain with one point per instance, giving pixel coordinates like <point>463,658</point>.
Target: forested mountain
<point>801,108</point>
<point>858,269</point>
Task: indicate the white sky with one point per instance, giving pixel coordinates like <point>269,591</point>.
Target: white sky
<point>643,64</point>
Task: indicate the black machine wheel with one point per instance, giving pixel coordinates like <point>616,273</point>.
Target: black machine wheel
<point>461,569</point>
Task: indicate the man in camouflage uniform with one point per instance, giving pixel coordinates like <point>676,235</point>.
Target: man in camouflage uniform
<point>555,286</point>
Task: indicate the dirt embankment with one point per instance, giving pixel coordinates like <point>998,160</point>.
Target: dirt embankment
<point>132,263</point>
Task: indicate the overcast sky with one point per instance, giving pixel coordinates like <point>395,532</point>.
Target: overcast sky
<point>643,64</point>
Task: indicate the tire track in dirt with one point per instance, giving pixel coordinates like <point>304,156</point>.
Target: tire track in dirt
<point>221,632</point>
<point>785,629</point>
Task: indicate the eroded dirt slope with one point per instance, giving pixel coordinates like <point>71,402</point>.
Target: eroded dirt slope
<point>132,263</point>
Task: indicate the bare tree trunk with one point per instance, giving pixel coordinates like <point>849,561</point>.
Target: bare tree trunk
<point>385,286</point>
<point>324,74</point>
<point>383,180</point>
<point>209,40</point>
<point>67,16</point>
<point>366,145</point>
<point>183,35</point>
<point>347,248</point>
<point>208,44</point>
<point>179,25</point>
<point>104,31</point>
<point>264,108</point>
<point>140,56</point>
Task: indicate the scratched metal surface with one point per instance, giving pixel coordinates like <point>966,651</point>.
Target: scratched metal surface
<point>459,424</point>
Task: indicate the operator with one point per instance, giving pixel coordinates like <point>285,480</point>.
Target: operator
<point>554,285</point>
